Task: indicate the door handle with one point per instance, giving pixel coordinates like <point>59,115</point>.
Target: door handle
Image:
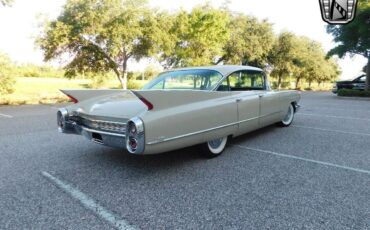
<point>238,100</point>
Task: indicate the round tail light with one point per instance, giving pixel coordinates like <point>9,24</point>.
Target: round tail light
<point>133,143</point>
<point>135,136</point>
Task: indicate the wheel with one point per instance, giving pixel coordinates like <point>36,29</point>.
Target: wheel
<point>288,119</point>
<point>214,147</point>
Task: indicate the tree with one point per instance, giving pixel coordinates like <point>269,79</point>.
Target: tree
<point>354,38</point>
<point>103,36</point>
<point>199,37</point>
<point>250,41</point>
<point>302,60</point>
<point>6,79</point>
<point>6,2</point>
<point>282,56</point>
<point>150,72</point>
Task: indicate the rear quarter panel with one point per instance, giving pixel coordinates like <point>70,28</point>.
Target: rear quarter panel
<point>286,98</point>
<point>195,122</point>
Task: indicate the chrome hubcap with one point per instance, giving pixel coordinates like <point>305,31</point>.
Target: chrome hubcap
<point>215,143</point>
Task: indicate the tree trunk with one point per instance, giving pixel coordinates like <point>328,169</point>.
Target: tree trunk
<point>123,77</point>
<point>367,84</point>
<point>279,82</point>
<point>309,84</point>
<point>297,82</point>
<point>119,76</point>
<point>123,80</point>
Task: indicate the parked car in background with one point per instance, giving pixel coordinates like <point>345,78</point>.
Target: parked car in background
<point>357,83</point>
<point>180,108</point>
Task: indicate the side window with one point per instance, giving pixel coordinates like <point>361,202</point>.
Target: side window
<point>253,80</point>
<point>159,85</point>
<point>224,86</point>
<point>362,79</point>
<point>234,80</point>
<point>247,80</point>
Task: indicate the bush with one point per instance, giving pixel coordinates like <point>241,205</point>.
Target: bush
<point>6,77</point>
<point>353,93</point>
<point>30,70</point>
<point>133,85</point>
<point>6,84</point>
<point>97,80</point>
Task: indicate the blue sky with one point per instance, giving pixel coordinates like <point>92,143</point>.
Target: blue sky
<point>20,24</point>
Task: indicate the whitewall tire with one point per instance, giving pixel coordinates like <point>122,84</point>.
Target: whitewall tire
<point>288,118</point>
<point>215,147</point>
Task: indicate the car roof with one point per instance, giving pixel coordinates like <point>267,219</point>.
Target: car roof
<point>223,69</point>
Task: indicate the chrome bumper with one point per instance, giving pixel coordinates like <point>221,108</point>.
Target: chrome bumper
<point>111,139</point>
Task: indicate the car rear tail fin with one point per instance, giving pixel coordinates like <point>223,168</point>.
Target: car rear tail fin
<point>78,95</point>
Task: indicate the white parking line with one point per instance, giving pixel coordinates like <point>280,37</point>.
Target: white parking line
<point>5,115</point>
<point>306,159</point>
<point>89,203</point>
<point>330,116</point>
<point>331,130</point>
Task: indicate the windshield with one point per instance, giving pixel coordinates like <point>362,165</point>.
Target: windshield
<point>195,79</point>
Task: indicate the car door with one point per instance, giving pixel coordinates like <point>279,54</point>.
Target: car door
<point>270,107</point>
<point>247,101</point>
<point>269,100</point>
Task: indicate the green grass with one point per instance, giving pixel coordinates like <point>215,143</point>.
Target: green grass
<point>30,90</point>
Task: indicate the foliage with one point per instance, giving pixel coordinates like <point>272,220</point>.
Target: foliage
<point>133,85</point>
<point>311,63</point>
<point>281,57</point>
<point>151,71</point>
<point>6,78</point>
<point>302,59</point>
<point>29,90</point>
<point>31,70</point>
<point>354,38</point>
<point>353,93</point>
<point>6,2</point>
<point>199,37</point>
<point>97,80</point>
<point>102,36</point>
<point>250,41</point>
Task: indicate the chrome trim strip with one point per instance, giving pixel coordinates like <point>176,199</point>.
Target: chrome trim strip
<point>270,114</point>
<point>102,132</point>
<point>110,122</point>
<point>199,132</point>
<point>102,121</point>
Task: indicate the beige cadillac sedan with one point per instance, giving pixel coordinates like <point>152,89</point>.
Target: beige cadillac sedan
<point>180,108</point>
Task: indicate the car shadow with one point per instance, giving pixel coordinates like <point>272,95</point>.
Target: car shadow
<point>173,159</point>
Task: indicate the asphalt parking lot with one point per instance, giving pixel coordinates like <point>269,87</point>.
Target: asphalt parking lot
<point>314,174</point>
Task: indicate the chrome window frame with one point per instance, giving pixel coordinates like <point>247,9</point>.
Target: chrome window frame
<point>266,85</point>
